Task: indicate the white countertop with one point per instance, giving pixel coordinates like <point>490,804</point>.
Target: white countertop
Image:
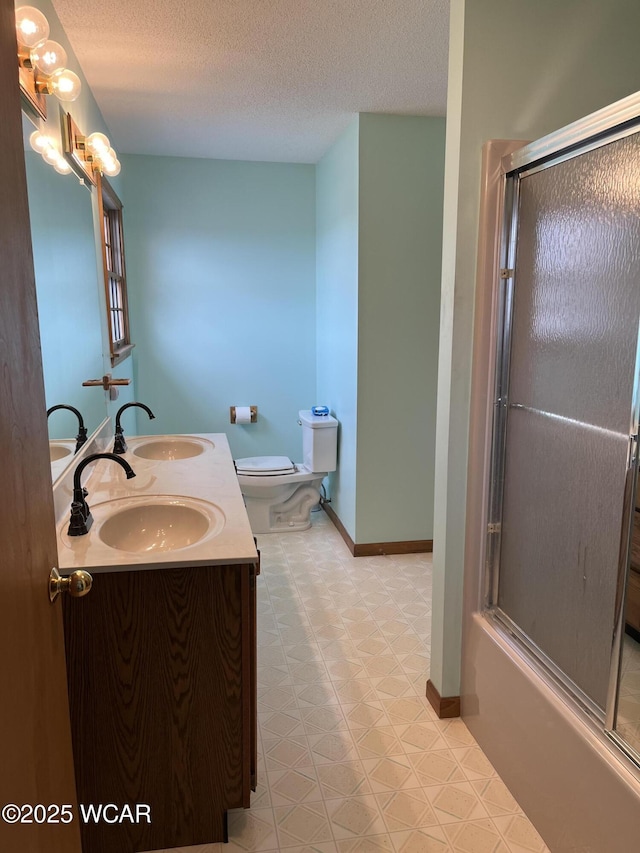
<point>58,466</point>
<point>209,477</point>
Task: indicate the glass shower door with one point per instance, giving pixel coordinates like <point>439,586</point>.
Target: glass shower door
<point>568,423</point>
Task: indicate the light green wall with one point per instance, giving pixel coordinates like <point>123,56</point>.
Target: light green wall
<point>379,240</point>
<point>221,269</point>
<point>337,308</point>
<point>400,247</point>
<point>517,70</point>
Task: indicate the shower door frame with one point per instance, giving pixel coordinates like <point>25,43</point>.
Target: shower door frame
<point>615,122</point>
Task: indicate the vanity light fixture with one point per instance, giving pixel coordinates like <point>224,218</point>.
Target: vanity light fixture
<point>42,62</point>
<point>103,156</point>
<point>46,146</point>
<point>89,154</point>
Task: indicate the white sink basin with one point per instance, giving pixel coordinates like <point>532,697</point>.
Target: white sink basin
<point>168,448</point>
<point>156,524</point>
<point>58,451</point>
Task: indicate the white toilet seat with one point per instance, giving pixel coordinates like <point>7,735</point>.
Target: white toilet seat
<point>256,485</point>
<point>265,466</point>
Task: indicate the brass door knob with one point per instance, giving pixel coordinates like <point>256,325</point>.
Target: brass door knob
<point>77,584</point>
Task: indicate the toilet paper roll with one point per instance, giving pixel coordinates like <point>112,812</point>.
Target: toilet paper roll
<point>243,414</point>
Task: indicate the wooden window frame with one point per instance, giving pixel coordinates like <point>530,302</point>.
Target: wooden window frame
<point>110,215</point>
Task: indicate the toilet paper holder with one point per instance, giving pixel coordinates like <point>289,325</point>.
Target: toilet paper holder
<point>252,409</point>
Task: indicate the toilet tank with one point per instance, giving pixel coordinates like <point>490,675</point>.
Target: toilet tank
<point>319,441</point>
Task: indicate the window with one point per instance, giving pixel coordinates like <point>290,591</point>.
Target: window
<point>115,276</point>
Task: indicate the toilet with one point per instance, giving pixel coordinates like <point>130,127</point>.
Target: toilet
<point>278,493</point>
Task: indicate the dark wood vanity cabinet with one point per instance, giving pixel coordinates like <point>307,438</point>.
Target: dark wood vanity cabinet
<point>162,687</point>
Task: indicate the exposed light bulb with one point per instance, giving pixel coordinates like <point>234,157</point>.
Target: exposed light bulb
<point>49,57</point>
<point>65,85</point>
<point>32,27</point>
<point>104,156</point>
<point>112,169</point>
<point>39,141</point>
<point>51,155</point>
<point>108,159</point>
<point>61,166</point>
<point>46,146</point>
<point>98,144</point>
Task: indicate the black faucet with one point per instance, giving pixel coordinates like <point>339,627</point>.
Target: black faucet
<point>81,518</point>
<point>82,430</point>
<point>119,444</point>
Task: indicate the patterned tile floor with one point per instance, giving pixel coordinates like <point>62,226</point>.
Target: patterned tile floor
<point>351,757</point>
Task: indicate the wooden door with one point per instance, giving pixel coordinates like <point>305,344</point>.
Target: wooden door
<point>36,765</point>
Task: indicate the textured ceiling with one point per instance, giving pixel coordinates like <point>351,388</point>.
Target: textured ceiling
<point>255,79</point>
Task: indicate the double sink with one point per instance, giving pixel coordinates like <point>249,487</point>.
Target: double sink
<point>184,497</point>
<point>158,523</point>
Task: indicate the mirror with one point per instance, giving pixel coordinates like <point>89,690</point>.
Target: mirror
<point>68,291</point>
